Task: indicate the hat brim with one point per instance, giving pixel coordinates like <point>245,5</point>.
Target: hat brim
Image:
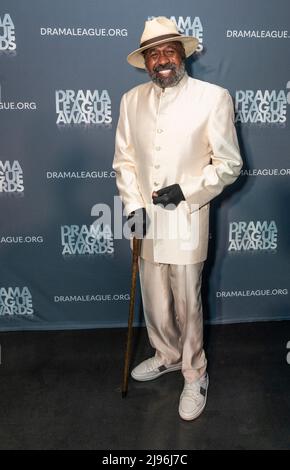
<point>136,57</point>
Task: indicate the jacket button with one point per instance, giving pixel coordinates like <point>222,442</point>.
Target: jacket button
<point>159,131</point>
<point>156,184</point>
<point>157,148</point>
<point>156,166</point>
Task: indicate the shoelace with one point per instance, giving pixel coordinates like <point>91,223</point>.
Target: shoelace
<point>192,390</point>
<point>152,364</point>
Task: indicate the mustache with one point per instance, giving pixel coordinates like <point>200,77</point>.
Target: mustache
<point>158,68</point>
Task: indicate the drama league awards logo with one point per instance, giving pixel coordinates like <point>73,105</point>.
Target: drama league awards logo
<point>15,301</point>
<point>262,106</point>
<point>86,240</point>
<point>94,239</point>
<point>83,107</point>
<point>253,236</point>
<point>7,33</point>
<point>11,177</point>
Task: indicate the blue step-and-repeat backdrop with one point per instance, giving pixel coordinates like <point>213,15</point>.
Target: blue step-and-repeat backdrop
<point>63,71</point>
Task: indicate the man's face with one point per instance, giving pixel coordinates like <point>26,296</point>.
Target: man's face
<point>165,63</point>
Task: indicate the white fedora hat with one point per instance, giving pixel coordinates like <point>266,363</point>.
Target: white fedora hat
<point>158,31</point>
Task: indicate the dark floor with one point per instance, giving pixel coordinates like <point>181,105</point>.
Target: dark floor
<point>61,390</point>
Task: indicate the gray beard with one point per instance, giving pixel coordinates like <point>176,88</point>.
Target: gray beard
<point>169,81</point>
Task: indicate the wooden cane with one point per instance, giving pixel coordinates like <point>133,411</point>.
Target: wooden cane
<point>136,252</point>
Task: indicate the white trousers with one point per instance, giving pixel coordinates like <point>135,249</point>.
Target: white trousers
<point>173,314</point>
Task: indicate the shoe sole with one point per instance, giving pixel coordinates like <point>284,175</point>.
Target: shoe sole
<point>155,376</point>
<point>190,417</point>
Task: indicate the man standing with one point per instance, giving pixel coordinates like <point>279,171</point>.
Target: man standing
<point>176,149</point>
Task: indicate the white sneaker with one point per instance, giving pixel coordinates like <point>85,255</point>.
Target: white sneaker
<point>193,398</point>
<point>152,368</point>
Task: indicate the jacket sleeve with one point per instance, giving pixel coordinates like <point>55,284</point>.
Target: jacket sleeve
<point>226,161</point>
<point>124,164</point>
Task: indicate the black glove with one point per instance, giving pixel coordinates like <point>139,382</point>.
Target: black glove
<point>170,195</point>
<point>137,222</point>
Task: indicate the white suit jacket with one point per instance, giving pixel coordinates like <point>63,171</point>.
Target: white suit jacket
<point>183,134</point>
